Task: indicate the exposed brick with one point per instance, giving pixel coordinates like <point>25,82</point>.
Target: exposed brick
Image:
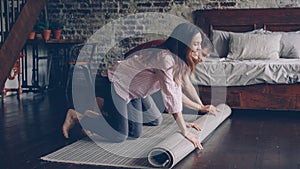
<point>82,1</point>
<point>110,5</point>
<point>161,4</point>
<point>96,5</point>
<point>98,10</point>
<point>227,4</point>
<point>130,22</point>
<point>146,4</point>
<point>123,1</point>
<point>56,6</point>
<point>123,11</point>
<point>213,4</point>
<point>56,1</point>
<point>54,10</point>
<point>150,10</point>
<point>140,27</point>
<point>71,6</point>
<point>84,11</point>
<point>179,1</point>
<point>83,5</point>
<point>125,6</point>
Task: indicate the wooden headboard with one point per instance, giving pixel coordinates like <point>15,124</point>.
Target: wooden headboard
<point>242,20</point>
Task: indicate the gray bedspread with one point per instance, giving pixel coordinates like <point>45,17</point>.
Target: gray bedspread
<point>226,72</point>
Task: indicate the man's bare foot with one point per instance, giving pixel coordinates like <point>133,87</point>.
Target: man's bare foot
<point>72,118</point>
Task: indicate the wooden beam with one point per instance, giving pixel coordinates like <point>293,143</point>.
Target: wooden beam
<point>17,37</point>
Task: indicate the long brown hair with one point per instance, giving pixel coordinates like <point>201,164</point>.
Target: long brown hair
<point>179,40</point>
<point>178,44</point>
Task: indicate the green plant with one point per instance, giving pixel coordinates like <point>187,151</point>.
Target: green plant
<point>45,25</point>
<point>38,26</point>
<point>41,25</point>
<point>35,27</point>
<point>56,24</point>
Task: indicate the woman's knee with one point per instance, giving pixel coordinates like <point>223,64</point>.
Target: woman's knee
<point>119,138</point>
<point>134,136</point>
<point>156,122</point>
<point>135,129</point>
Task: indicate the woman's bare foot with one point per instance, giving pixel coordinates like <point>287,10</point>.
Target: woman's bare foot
<point>91,114</point>
<point>100,102</point>
<point>72,118</point>
<point>87,132</point>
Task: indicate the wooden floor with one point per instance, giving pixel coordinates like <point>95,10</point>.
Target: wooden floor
<point>247,140</point>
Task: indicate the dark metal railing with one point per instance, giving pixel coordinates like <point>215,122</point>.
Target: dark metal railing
<point>9,11</point>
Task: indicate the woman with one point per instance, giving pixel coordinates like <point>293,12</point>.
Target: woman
<point>166,68</point>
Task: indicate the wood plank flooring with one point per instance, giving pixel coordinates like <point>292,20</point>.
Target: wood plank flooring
<point>249,139</point>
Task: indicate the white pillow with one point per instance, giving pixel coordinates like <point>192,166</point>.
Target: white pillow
<point>245,46</point>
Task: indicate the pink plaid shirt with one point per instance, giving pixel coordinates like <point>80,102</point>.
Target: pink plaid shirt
<point>144,74</point>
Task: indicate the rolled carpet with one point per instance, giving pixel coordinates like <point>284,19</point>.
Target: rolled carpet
<point>175,147</point>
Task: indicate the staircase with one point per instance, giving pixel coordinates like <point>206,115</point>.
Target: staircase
<point>17,20</point>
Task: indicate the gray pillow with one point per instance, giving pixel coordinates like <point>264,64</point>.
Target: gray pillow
<point>220,40</point>
<point>246,46</point>
<point>290,45</point>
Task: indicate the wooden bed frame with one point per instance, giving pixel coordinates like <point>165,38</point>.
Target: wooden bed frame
<point>261,96</point>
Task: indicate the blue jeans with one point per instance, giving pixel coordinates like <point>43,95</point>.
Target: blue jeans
<point>120,121</point>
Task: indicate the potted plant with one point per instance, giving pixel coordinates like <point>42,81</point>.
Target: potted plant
<point>37,29</point>
<point>43,27</point>
<point>34,31</point>
<point>46,29</point>
<point>56,27</point>
<point>31,35</point>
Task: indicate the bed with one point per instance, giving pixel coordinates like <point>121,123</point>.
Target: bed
<point>258,94</point>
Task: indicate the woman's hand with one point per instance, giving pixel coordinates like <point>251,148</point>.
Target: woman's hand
<point>193,125</point>
<point>104,73</point>
<point>209,109</point>
<point>194,139</point>
<point>183,128</point>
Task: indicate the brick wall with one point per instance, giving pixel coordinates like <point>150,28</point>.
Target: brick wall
<point>82,18</point>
